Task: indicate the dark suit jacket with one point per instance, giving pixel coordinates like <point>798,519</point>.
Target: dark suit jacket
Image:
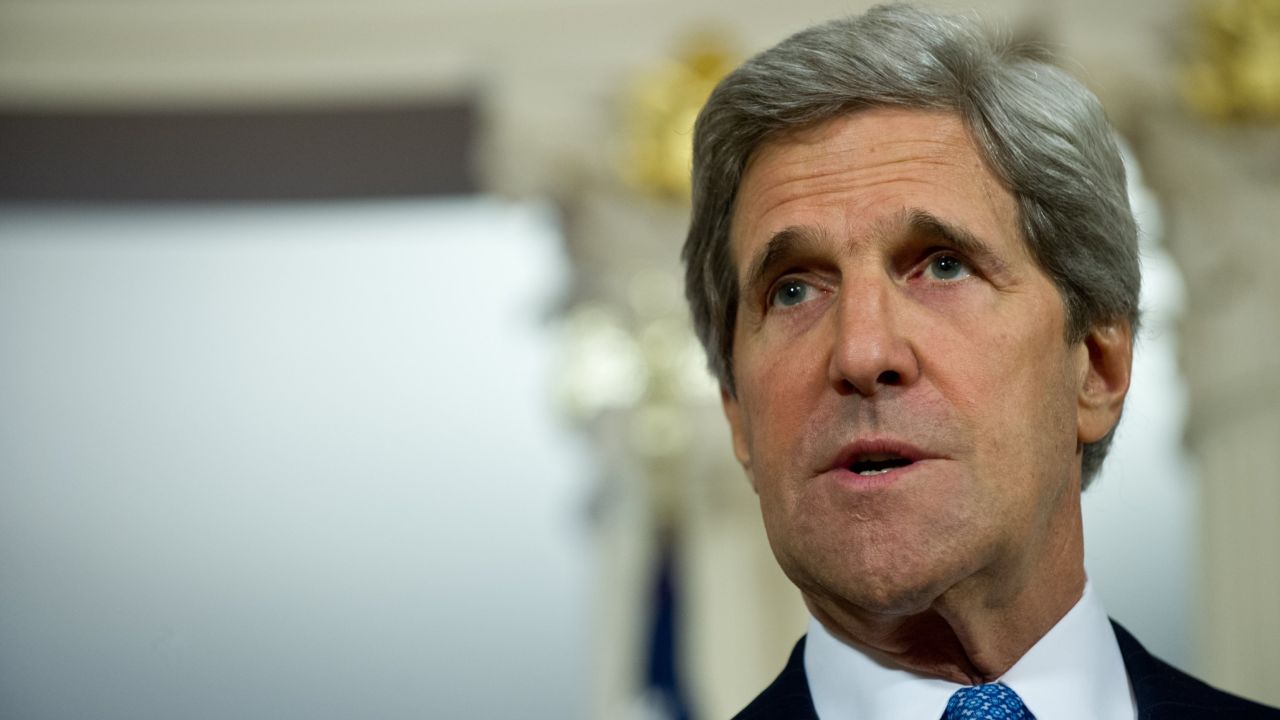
<point>1163,692</point>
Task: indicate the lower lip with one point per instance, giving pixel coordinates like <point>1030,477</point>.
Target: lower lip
<point>855,481</point>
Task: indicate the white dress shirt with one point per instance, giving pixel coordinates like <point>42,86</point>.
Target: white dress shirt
<point>1074,671</point>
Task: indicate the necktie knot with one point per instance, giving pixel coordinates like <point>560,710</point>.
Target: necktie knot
<point>994,701</point>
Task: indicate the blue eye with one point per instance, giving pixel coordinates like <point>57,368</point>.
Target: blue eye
<point>790,292</point>
<point>948,267</point>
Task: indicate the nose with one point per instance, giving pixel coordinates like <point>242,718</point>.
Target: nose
<point>871,350</point>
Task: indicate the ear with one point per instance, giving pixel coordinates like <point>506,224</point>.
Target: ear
<point>1107,355</point>
<point>737,427</point>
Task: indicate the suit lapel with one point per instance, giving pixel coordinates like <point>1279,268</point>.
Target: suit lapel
<point>787,698</point>
<point>1164,692</point>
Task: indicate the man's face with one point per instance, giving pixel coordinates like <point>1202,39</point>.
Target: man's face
<point>907,406</point>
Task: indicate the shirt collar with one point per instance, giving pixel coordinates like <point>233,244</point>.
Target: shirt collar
<point>1074,671</point>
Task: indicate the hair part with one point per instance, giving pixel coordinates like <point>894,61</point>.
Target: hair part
<point>1041,132</point>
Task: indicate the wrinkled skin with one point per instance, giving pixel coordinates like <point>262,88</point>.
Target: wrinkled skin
<point>890,306</point>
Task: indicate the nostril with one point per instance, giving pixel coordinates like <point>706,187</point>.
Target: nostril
<point>889,377</point>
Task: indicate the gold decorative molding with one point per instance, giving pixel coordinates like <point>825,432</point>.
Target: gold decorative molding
<point>659,111</point>
<point>1235,75</point>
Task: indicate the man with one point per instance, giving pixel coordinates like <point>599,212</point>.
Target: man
<point>914,268</point>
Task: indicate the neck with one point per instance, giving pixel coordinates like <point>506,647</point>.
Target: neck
<point>977,629</point>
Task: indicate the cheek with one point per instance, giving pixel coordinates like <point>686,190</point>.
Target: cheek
<point>1030,413</point>
<point>1014,384</point>
<point>772,430</point>
<point>777,384</point>
<point>782,416</point>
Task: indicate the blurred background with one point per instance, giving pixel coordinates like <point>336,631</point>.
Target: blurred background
<point>345,368</point>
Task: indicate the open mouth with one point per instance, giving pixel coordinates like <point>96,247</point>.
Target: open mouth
<point>877,464</point>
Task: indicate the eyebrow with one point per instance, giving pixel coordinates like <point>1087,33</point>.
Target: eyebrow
<point>797,241</point>
<point>966,243</point>
<point>785,245</point>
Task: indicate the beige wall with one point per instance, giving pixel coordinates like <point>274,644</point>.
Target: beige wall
<point>547,70</point>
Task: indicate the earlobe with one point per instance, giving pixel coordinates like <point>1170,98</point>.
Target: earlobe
<point>1108,361</point>
<point>741,448</point>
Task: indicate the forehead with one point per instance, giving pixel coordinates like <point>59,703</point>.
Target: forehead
<point>857,170</point>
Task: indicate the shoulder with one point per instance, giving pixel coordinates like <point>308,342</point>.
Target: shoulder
<point>788,695</point>
<point>1163,691</point>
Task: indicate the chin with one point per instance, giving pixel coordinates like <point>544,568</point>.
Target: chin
<point>887,554</point>
<point>894,590</point>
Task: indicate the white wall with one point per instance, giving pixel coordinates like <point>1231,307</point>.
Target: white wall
<point>1141,515</point>
<point>286,461</point>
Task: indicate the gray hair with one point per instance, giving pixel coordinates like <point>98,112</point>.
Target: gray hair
<point>1042,133</point>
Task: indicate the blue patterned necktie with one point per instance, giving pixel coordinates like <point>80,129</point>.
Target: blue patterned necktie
<point>987,702</point>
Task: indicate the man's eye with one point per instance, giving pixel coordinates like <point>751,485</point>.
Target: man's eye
<point>790,292</point>
<point>948,267</point>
